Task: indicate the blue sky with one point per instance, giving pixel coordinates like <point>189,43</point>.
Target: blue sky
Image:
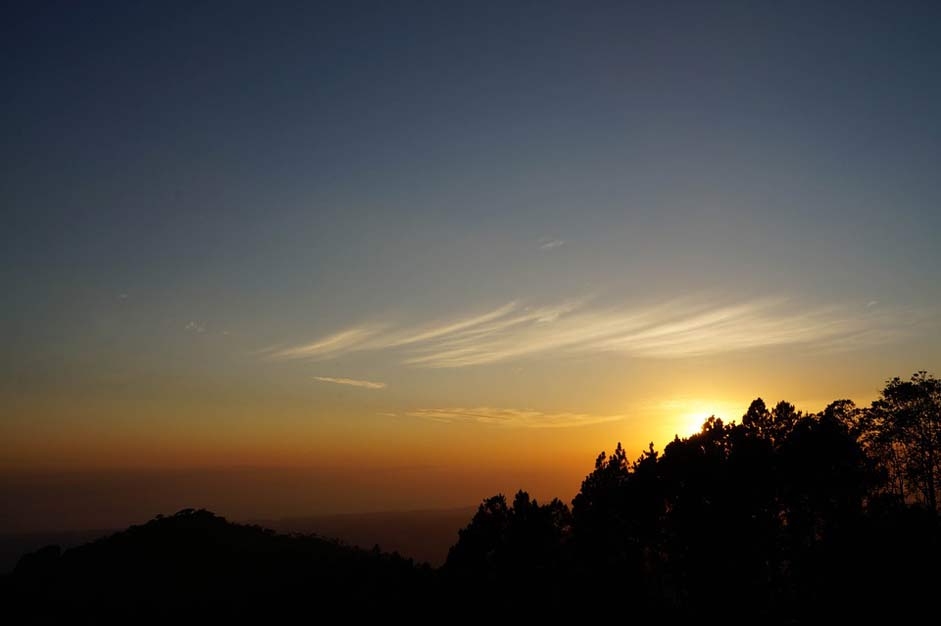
<point>608,215</point>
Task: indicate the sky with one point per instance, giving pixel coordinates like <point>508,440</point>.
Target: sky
<point>372,256</point>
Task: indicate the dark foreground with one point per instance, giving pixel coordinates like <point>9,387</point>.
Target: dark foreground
<point>784,518</point>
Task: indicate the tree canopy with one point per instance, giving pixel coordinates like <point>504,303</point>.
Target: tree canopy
<point>779,516</point>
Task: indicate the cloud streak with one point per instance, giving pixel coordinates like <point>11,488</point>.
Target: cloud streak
<point>511,418</point>
<point>675,329</point>
<point>343,341</point>
<point>353,382</point>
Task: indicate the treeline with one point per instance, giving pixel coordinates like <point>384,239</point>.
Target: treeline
<point>783,516</point>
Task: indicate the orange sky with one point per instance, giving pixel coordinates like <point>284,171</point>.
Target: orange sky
<point>407,257</point>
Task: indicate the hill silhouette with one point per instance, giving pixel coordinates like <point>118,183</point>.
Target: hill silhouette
<point>14,545</point>
<point>424,535</point>
<point>784,517</point>
<point>198,565</point>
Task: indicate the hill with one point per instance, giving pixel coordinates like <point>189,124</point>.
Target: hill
<point>424,536</point>
<point>14,545</point>
<point>197,564</point>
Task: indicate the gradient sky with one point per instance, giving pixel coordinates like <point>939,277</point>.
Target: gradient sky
<point>459,247</point>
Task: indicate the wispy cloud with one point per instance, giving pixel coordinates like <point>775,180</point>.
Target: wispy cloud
<point>194,327</point>
<point>548,243</point>
<point>674,329</point>
<point>511,418</point>
<point>368,384</point>
<point>439,330</point>
<point>343,341</point>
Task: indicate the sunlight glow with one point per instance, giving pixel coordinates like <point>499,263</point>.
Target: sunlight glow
<point>685,416</point>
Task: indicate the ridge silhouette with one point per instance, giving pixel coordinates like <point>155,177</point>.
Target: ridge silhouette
<point>785,517</point>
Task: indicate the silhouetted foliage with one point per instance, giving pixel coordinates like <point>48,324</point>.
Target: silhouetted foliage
<point>786,517</point>
<point>503,543</point>
<point>904,430</point>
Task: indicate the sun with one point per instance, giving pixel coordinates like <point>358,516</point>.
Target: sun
<point>692,422</point>
<point>685,416</point>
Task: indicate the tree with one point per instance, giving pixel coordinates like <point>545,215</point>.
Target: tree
<point>478,544</point>
<point>784,417</point>
<point>846,413</point>
<point>757,418</point>
<point>520,541</point>
<point>773,425</point>
<point>905,431</point>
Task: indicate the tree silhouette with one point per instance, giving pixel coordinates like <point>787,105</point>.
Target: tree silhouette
<point>905,430</point>
<point>784,511</point>
<point>786,517</point>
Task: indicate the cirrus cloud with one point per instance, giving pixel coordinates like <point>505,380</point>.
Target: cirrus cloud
<point>353,382</point>
<point>547,243</point>
<point>673,329</point>
<point>511,418</point>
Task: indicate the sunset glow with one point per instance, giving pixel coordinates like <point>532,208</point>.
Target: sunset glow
<point>399,258</point>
